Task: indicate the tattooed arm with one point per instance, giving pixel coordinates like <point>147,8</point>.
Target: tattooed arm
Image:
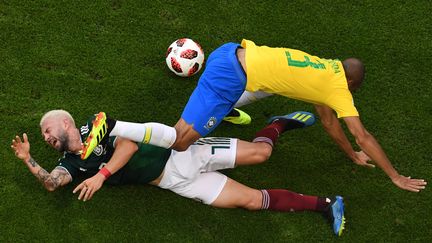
<point>58,177</point>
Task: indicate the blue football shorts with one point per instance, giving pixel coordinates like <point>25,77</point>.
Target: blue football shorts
<point>219,88</point>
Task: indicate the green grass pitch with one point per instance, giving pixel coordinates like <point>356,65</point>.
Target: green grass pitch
<point>88,56</point>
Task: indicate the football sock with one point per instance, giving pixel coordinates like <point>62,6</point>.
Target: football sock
<point>270,133</point>
<point>249,97</point>
<point>267,135</point>
<point>149,133</point>
<point>284,200</point>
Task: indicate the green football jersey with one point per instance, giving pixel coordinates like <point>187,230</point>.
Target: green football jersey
<point>144,166</point>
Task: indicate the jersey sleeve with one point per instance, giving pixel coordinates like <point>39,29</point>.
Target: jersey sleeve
<point>343,103</point>
<point>112,141</point>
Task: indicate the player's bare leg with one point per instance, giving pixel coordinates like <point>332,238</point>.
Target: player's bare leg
<point>260,149</point>
<point>186,135</point>
<point>237,195</point>
<point>249,153</point>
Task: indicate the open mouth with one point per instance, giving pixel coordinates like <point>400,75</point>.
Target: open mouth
<point>53,142</point>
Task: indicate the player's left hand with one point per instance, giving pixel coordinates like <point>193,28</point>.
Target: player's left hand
<point>406,183</point>
<point>89,187</point>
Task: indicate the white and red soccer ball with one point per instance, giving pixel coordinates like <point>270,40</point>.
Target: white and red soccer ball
<point>185,57</point>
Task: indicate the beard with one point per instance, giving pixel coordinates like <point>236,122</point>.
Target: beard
<point>64,142</point>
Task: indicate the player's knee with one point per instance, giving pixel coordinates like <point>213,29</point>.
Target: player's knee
<point>264,152</point>
<point>253,203</point>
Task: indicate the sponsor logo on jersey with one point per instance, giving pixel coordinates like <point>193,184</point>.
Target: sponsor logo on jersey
<point>82,169</point>
<point>210,123</point>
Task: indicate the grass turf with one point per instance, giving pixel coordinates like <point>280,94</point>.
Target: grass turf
<point>86,56</point>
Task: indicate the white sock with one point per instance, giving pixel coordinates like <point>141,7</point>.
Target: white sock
<point>249,97</point>
<point>150,133</point>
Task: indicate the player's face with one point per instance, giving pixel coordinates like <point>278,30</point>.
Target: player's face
<point>55,135</point>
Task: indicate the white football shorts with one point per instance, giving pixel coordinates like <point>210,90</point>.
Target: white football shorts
<point>193,173</point>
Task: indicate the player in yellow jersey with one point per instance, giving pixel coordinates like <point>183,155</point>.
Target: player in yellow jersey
<point>296,74</point>
<point>236,74</point>
<point>325,83</point>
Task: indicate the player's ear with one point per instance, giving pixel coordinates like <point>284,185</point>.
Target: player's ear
<point>65,123</point>
<point>351,85</point>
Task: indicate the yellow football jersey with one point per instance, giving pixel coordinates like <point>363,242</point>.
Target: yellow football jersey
<point>298,75</point>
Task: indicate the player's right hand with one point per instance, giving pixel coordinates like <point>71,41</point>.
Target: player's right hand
<point>21,148</point>
<point>361,158</point>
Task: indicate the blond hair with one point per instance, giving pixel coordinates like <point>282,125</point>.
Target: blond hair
<point>57,114</point>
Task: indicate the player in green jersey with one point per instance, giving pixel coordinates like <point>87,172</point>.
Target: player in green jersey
<point>191,173</point>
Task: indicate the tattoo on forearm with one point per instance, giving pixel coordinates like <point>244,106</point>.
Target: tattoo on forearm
<point>42,175</point>
<point>53,180</point>
<point>33,162</point>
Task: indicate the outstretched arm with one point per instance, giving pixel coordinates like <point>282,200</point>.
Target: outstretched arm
<point>51,181</point>
<point>124,150</point>
<point>332,126</point>
<point>371,147</point>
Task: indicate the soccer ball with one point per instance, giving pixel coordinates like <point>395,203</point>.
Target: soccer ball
<point>185,57</point>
